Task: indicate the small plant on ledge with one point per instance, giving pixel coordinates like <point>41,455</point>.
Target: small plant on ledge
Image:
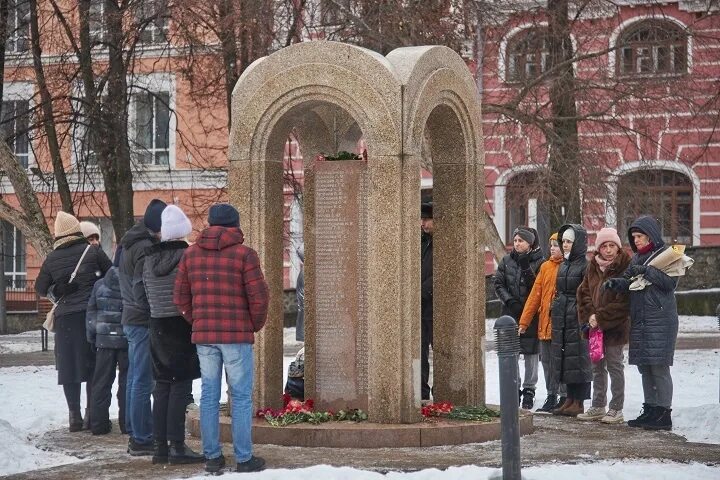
<point>343,155</point>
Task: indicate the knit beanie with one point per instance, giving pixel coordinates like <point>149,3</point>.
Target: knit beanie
<point>553,237</point>
<point>89,229</point>
<point>175,224</point>
<point>152,218</point>
<point>66,224</point>
<point>524,233</point>
<point>223,215</point>
<point>569,234</point>
<point>607,235</point>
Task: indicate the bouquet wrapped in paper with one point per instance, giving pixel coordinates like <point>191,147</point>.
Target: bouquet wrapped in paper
<point>672,262</point>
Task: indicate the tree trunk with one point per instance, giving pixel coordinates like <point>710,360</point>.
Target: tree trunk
<point>48,115</point>
<point>228,40</point>
<point>563,162</point>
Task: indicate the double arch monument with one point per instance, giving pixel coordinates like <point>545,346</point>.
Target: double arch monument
<point>416,103</point>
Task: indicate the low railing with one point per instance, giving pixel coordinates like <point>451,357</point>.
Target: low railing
<point>20,295</point>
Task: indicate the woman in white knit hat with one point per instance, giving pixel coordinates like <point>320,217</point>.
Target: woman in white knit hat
<point>174,356</point>
<point>74,355</point>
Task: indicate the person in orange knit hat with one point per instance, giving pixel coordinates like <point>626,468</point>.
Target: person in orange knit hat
<point>538,302</point>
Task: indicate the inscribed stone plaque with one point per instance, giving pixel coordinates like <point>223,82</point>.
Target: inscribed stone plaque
<point>341,284</point>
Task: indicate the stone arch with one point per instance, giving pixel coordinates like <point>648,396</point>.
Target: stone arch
<point>441,107</point>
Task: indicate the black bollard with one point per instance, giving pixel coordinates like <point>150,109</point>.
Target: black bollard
<point>507,344</point>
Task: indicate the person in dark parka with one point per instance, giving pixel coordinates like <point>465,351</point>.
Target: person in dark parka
<point>426,296</point>
<point>75,357</point>
<point>105,332</point>
<point>570,354</point>
<point>174,356</point>
<point>653,323</point>
<point>513,282</point>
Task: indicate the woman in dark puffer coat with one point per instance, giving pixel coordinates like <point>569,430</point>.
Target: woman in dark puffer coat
<point>174,356</point>
<point>653,323</point>
<point>74,356</point>
<point>569,350</point>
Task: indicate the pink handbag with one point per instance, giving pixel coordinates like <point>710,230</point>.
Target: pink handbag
<point>596,345</point>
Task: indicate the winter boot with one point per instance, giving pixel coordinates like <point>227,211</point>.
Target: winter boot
<point>86,421</point>
<point>647,412</point>
<point>661,420</point>
<point>560,403</point>
<point>575,409</point>
<point>182,454</point>
<point>528,401</point>
<point>137,449</point>
<point>160,452</point>
<point>549,405</point>
<point>214,465</point>
<point>76,420</point>
<point>559,410</point>
<point>255,464</point>
<point>592,414</point>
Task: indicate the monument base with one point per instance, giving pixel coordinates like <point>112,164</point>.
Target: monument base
<point>429,433</point>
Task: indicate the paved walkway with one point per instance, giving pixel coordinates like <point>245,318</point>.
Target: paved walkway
<point>555,439</point>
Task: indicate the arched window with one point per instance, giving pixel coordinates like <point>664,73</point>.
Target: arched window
<point>527,55</point>
<point>652,47</point>
<point>525,205</point>
<point>664,194</point>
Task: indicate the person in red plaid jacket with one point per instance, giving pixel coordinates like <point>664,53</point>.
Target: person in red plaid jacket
<point>220,289</point>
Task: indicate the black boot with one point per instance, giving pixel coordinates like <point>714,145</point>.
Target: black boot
<point>549,405</point>
<point>76,420</point>
<point>647,412</point>
<point>160,452</point>
<point>528,399</point>
<point>86,421</point>
<point>661,420</point>
<point>182,454</point>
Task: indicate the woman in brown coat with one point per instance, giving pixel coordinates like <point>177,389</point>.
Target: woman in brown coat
<point>610,312</point>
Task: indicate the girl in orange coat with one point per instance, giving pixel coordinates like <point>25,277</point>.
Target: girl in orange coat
<point>538,303</point>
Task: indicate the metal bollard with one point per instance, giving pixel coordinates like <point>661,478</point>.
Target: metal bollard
<point>507,344</point>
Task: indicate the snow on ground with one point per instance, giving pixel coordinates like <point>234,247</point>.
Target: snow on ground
<point>25,342</point>
<point>19,454</point>
<point>596,471</point>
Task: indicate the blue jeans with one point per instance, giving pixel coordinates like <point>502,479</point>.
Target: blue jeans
<point>238,360</point>
<point>138,414</point>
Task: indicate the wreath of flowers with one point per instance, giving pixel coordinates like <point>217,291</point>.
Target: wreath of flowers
<point>296,411</point>
<point>466,412</point>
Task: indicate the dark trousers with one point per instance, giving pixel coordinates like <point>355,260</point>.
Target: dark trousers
<point>426,337</point>
<point>578,391</point>
<point>169,402</point>
<point>107,361</point>
<point>72,394</point>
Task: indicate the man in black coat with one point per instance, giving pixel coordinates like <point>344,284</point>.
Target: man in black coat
<point>135,320</point>
<point>513,282</point>
<point>426,294</point>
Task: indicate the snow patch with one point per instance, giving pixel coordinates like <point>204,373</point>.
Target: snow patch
<point>698,424</point>
<point>18,454</point>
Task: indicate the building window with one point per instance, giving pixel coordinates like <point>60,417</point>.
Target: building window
<point>663,194</point>
<point>652,47</point>
<point>525,205</point>
<point>96,21</point>
<point>14,256</point>
<point>152,17</point>
<point>334,12</point>
<point>15,126</point>
<point>18,26</point>
<point>152,127</point>
<point>528,55</point>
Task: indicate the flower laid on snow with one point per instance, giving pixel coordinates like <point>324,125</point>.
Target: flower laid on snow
<point>467,412</point>
<point>296,411</point>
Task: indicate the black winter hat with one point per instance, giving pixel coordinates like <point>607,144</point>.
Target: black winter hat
<point>224,215</point>
<point>153,212</point>
<point>426,210</point>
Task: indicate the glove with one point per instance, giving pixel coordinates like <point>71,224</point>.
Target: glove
<point>615,284</point>
<point>62,289</point>
<point>634,271</point>
<point>515,308</point>
<point>585,328</point>
<point>524,261</point>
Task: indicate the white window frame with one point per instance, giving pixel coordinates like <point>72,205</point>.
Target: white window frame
<point>156,83</point>
<point>14,274</point>
<point>13,36</point>
<point>98,35</point>
<point>152,27</point>
<point>22,91</point>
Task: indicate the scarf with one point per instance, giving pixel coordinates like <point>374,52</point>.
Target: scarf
<point>647,248</point>
<point>602,263</point>
<point>61,241</point>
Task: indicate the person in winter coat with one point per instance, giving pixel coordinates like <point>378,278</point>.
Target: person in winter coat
<point>74,356</point>
<point>105,332</point>
<point>538,305</point>
<point>569,350</point>
<point>653,323</point>
<point>135,320</point>
<point>174,356</point>
<point>426,297</point>
<point>513,281</point>
<point>610,312</point>
<point>91,233</point>
<point>220,289</point>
